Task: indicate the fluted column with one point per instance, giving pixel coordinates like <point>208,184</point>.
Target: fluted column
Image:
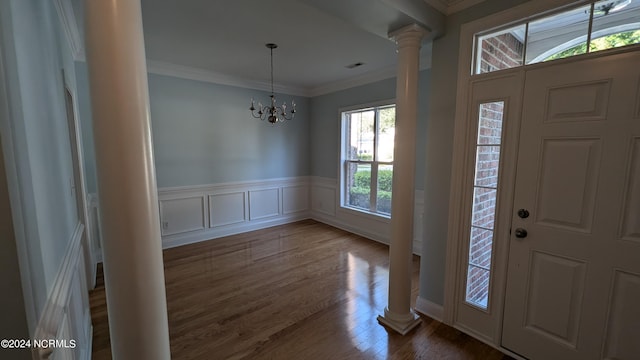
<point>398,314</point>
<point>132,251</point>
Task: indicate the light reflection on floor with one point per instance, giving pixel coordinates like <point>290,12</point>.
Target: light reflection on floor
<point>368,287</point>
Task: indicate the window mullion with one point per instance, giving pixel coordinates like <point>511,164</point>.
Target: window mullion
<point>374,167</point>
<point>373,196</point>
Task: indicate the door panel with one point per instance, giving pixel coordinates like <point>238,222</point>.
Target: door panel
<point>555,317</point>
<point>624,318</point>
<point>631,214</point>
<point>573,278</point>
<point>578,102</point>
<point>568,179</point>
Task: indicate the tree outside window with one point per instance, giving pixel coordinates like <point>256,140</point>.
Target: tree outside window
<point>367,153</point>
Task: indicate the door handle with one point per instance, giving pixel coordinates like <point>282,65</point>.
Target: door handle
<point>521,233</point>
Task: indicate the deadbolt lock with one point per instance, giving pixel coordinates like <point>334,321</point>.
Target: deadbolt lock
<point>523,213</point>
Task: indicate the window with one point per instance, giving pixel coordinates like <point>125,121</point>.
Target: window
<point>603,25</point>
<point>485,195</point>
<point>367,158</point>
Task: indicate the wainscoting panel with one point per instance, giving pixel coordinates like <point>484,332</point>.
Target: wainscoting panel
<point>323,196</point>
<point>192,214</point>
<point>264,203</point>
<point>182,215</point>
<point>66,315</point>
<point>231,208</point>
<point>227,209</point>
<point>295,199</point>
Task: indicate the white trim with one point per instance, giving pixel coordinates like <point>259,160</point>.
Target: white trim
<point>460,5</point>
<point>375,228</point>
<point>208,76</point>
<point>370,226</point>
<point>56,311</point>
<point>483,339</point>
<point>431,309</point>
<point>11,149</point>
<point>192,237</point>
<point>363,79</point>
<point>81,187</point>
<point>192,73</point>
<point>70,26</point>
<point>373,104</point>
<point>452,6</point>
<point>95,236</point>
<point>225,187</point>
<point>458,202</point>
<point>211,231</point>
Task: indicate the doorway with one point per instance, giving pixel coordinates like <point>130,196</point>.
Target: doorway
<point>555,187</point>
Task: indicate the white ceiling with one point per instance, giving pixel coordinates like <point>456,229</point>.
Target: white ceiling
<point>317,39</point>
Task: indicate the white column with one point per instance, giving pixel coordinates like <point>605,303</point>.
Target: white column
<point>398,314</point>
<point>132,249</point>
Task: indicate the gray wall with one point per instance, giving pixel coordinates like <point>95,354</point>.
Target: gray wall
<point>34,53</point>
<point>14,316</point>
<point>439,146</point>
<point>325,123</point>
<point>203,133</point>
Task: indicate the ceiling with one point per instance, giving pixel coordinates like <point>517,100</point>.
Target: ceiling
<point>317,39</point>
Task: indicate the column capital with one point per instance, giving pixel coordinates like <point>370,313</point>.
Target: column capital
<point>409,35</point>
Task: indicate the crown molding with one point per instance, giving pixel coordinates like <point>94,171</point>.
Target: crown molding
<point>70,27</point>
<point>367,78</point>
<point>358,80</point>
<point>72,34</point>
<point>449,7</point>
<point>192,73</point>
<point>460,5</point>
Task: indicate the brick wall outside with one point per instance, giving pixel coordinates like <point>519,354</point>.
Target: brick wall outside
<point>500,52</point>
<point>484,201</point>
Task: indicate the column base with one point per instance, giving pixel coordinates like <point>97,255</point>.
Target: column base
<point>402,324</point>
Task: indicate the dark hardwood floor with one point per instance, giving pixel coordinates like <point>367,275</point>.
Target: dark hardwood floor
<point>298,291</point>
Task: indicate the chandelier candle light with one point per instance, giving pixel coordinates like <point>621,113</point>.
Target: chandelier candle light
<point>272,113</point>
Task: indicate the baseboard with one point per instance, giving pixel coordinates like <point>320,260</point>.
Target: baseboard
<point>429,308</point>
<point>214,233</point>
<point>64,316</point>
<point>350,227</point>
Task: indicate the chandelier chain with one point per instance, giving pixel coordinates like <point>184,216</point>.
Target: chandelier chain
<point>271,112</point>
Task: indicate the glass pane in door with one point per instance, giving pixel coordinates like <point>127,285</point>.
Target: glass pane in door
<point>485,195</point>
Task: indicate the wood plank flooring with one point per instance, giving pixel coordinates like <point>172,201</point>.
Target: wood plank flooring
<point>298,291</point>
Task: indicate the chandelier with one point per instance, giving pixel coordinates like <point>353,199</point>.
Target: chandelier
<point>272,113</point>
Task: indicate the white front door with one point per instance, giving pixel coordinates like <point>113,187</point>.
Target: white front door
<point>573,279</point>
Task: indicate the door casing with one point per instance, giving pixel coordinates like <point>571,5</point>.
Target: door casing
<point>464,128</point>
